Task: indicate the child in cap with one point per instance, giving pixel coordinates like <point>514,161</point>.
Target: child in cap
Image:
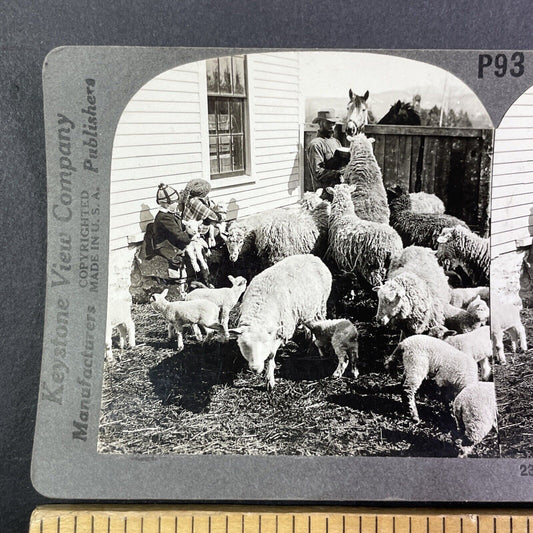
<point>169,237</point>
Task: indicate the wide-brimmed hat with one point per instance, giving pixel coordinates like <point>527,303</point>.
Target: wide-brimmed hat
<point>326,114</point>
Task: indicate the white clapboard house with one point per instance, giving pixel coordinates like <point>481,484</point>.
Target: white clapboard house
<point>236,121</point>
<point>512,181</point>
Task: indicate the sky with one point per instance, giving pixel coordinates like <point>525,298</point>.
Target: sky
<point>388,78</point>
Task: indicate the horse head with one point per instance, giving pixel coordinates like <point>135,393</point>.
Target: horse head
<point>357,113</point>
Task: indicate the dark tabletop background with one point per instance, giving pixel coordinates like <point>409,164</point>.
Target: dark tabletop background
<point>30,29</point>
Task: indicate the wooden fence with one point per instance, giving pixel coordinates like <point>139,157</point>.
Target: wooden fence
<point>453,163</point>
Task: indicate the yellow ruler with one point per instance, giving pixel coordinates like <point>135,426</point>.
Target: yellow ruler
<point>252,519</point>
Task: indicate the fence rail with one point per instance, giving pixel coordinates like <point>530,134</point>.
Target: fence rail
<point>453,163</point>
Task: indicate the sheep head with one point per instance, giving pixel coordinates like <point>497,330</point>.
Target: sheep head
<point>390,298</point>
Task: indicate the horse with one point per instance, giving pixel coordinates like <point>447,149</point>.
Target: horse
<point>401,113</point>
<point>357,113</point>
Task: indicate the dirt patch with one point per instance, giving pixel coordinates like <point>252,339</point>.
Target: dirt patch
<point>205,401</point>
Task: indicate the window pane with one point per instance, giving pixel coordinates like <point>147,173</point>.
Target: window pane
<point>213,154</point>
<point>238,76</point>
<point>224,153</point>
<point>237,153</point>
<point>236,116</point>
<point>211,106</point>
<point>223,115</point>
<point>225,75</point>
<point>212,75</point>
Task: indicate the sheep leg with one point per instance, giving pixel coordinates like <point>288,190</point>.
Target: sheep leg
<point>130,328</point>
<point>320,347</point>
<point>514,337</point>
<point>197,333</point>
<point>522,335</point>
<point>497,347</point>
<point>171,330</point>
<point>109,347</point>
<point>342,357</point>
<point>179,336</point>
<point>485,369</point>
<point>269,373</point>
<point>466,447</point>
<point>224,319</point>
<point>192,258</point>
<point>410,385</point>
<point>122,332</point>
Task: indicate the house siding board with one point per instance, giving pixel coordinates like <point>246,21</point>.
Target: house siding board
<point>512,190</point>
<point>161,137</point>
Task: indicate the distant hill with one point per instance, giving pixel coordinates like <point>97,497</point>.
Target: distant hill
<point>380,104</point>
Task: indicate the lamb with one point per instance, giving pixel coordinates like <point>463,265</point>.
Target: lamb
<point>424,356</point>
<point>359,246</point>
<point>476,343</point>
<point>225,298</point>
<point>293,232</point>
<point>195,313</point>
<point>476,315</point>
<point>462,297</point>
<point>458,246</point>
<point>415,293</point>
<point>506,318</point>
<point>291,292</point>
<point>342,336</point>
<point>422,229</point>
<point>194,250</point>
<point>475,413</point>
<point>369,197</point>
<point>423,202</point>
<point>119,316</point>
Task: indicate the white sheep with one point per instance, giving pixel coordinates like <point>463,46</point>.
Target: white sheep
<point>186,313</point>
<point>506,318</point>
<point>423,202</point>
<point>462,297</point>
<point>475,413</point>
<point>303,230</point>
<point>427,357</point>
<point>458,246</point>
<point>476,343</point>
<point>369,197</point>
<point>341,335</point>
<point>119,316</point>
<point>291,292</point>
<point>194,250</point>
<point>225,298</point>
<point>415,293</point>
<point>359,246</point>
<point>476,315</point>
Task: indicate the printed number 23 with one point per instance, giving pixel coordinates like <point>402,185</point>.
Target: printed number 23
<point>526,470</point>
<point>500,63</point>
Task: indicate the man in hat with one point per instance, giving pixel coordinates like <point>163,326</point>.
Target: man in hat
<point>321,149</point>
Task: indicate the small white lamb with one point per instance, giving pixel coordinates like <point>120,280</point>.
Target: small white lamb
<point>427,357</point>
<point>475,413</point>
<point>476,343</point>
<point>342,336</point>
<point>119,316</point>
<point>462,297</point>
<point>179,314</point>
<point>194,250</point>
<point>476,315</point>
<point>225,298</point>
<point>506,318</point>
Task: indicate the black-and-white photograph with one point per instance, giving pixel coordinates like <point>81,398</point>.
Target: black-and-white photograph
<point>299,263</point>
<point>512,276</point>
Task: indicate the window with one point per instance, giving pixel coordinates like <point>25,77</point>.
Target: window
<point>226,105</point>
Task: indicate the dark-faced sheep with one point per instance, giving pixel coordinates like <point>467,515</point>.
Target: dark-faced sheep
<point>359,246</point>
<point>369,196</point>
<point>421,229</point>
<point>458,246</point>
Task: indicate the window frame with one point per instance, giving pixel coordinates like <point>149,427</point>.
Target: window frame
<point>214,97</point>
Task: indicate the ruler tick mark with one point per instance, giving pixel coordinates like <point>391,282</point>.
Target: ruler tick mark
<point>327,525</point>
<point>393,524</point>
<point>75,524</point>
<point>92,523</point>
<point>59,524</point>
<point>142,524</point>
<point>176,525</point>
<point>376,524</point>
<point>209,524</point>
<point>108,524</point>
<point>343,523</point>
<point>159,525</point>
<point>276,523</point>
<point>259,523</point>
<point>461,524</point>
<point>410,525</point>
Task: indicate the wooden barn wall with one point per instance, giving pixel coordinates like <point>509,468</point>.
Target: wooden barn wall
<point>512,191</point>
<point>453,163</point>
<point>162,136</point>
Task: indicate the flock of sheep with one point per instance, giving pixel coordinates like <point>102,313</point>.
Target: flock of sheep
<point>400,245</point>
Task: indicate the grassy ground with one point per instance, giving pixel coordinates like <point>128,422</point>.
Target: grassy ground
<point>205,401</point>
